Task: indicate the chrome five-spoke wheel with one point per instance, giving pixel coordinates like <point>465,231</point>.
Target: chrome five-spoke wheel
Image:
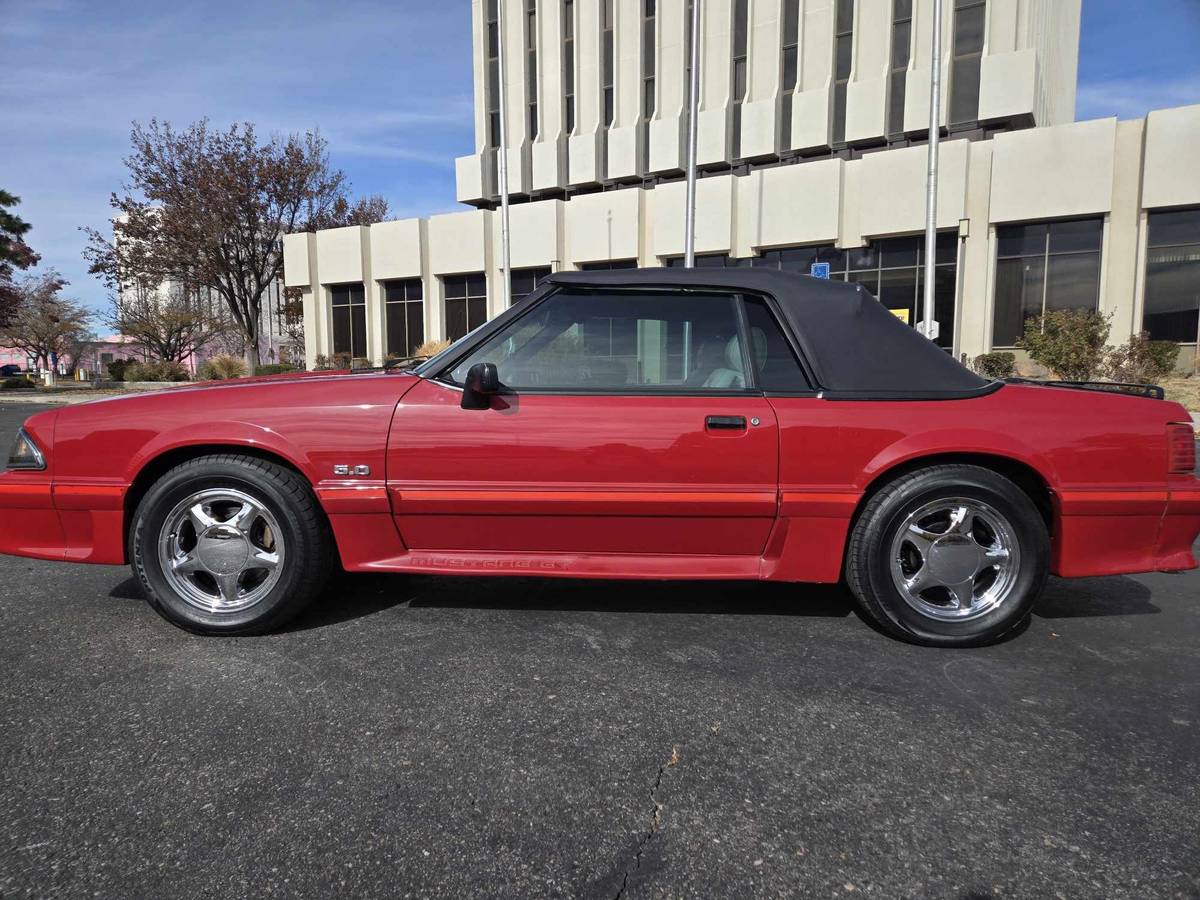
<point>221,550</point>
<point>955,559</point>
<point>951,554</point>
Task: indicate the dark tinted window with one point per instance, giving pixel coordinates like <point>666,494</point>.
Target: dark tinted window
<point>466,303</point>
<point>525,281</point>
<point>1044,266</point>
<point>1172,311</point>
<point>776,367</point>
<point>969,20</point>
<point>404,314</point>
<point>349,319</point>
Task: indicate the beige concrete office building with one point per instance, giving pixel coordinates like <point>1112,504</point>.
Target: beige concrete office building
<point>811,150</point>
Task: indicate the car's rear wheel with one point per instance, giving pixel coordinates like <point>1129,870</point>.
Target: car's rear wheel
<point>230,544</point>
<point>949,555</point>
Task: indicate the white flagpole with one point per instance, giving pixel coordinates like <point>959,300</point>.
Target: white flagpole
<point>689,224</point>
<point>930,329</point>
<point>503,161</point>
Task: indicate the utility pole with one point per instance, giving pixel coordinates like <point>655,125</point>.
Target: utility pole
<point>929,321</point>
<point>503,160</point>
<point>689,222</point>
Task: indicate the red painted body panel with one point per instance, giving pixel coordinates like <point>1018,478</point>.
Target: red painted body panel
<point>609,486</point>
<point>583,474</point>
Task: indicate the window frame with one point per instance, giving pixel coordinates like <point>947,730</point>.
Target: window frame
<point>1150,247</point>
<point>1045,255</point>
<point>897,74</point>
<point>401,307</point>
<point>438,368</point>
<point>839,85</point>
<point>966,59</point>
<point>350,305</point>
<point>739,64</point>
<point>531,68</point>
<point>467,296</point>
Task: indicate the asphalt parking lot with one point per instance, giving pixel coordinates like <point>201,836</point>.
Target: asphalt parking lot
<point>529,738</point>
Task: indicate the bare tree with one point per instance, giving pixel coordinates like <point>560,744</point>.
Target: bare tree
<point>166,320</point>
<point>208,209</point>
<point>46,326</point>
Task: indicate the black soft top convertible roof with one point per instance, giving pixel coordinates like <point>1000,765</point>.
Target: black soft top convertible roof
<point>854,346</point>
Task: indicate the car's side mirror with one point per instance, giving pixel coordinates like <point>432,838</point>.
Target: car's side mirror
<point>483,380</point>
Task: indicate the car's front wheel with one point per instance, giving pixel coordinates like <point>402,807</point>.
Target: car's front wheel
<point>949,555</point>
<point>230,544</point>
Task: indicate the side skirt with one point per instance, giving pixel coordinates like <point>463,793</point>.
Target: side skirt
<point>568,565</point>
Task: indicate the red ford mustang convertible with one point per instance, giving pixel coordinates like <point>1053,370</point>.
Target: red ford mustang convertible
<point>711,424</point>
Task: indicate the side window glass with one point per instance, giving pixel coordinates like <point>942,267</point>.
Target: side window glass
<point>776,366</point>
<point>620,341</point>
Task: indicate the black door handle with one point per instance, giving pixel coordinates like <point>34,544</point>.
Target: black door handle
<point>727,423</point>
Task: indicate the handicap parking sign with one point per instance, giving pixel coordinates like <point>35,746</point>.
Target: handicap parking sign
<point>819,270</point>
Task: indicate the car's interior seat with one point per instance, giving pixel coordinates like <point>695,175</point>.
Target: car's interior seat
<point>732,374</point>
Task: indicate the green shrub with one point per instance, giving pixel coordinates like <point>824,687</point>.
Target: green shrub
<point>223,367</point>
<point>16,383</point>
<point>275,369</point>
<point>321,363</point>
<point>1068,342</point>
<point>156,370</point>
<point>1141,360</point>
<point>116,369</point>
<point>996,365</point>
<point>340,361</point>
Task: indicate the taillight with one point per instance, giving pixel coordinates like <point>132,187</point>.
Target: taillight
<point>1181,444</point>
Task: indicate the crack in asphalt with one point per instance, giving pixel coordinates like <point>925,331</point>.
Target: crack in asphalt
<point>655,820</point>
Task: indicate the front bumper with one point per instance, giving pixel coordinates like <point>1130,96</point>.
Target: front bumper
<point>75,522</point>
<point>29,523</point>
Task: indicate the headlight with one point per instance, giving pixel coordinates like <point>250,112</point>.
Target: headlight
<point>25,453</point>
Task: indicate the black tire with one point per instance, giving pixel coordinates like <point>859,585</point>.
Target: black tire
<point>869,564</point>
<point>304,531</point>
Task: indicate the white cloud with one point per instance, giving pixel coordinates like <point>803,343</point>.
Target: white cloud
<point>1132,98</point>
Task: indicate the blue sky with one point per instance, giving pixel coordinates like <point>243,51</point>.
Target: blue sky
<point>388,84</point>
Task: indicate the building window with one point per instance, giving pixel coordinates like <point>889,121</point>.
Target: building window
<point>525,281</point>
<point>1173,276</point>
<point>609,264</point>
<point>898,74</point>
<point>349,304</point>
<point>739,73</point>
<point>969,17</point>
<point>892,270</point>
<point>789,67</point>
<point>493,73</point>
<point>531,63</point>
<point>405,315</point>
<point>649,54</point>
<point>609,51</point>
<point>466,303</point>
<point>843,56</point>
<point>712,261</point>
<point>1041,267</point>
<point>568,64</point>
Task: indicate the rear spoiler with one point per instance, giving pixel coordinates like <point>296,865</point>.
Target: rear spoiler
<point>1152,391</point>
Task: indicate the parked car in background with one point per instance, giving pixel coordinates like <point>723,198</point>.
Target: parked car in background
<point>10,370</point>
<point>741,424</point>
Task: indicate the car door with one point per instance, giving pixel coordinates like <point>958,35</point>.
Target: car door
<point>628,423</point>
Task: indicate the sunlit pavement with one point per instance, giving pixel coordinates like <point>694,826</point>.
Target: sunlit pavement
<point>524,738</point>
